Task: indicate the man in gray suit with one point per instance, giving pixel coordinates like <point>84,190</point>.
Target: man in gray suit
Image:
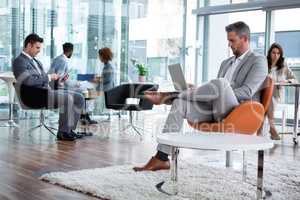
<point>240,78</point>
<point>29,71</point>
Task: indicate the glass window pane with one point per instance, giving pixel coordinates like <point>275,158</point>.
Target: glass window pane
<point>287,34</point>
<point>155,37</point>
<point>6,21</point>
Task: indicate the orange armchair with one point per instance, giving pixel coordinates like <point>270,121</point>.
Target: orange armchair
<point>247,118</point>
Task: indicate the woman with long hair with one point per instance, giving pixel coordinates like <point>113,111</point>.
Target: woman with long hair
<point>280,73</point>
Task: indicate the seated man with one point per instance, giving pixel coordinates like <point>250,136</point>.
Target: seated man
<point>29,71</point>
<point>60,66</point>
<point>240,78</point>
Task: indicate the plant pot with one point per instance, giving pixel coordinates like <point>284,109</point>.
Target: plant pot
<point>142,78</point>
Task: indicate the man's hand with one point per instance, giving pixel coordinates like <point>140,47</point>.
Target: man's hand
<point>66,77</point>
<point>54,77</point>
<point>190,85</point>
<point>158,98</point>
<point>96,79</point>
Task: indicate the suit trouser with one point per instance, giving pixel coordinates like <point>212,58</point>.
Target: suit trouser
<point>70,104</point>
<point>90,104</point>
<point>209,102</point>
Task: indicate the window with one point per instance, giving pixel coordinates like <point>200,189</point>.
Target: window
<point>161,31</point>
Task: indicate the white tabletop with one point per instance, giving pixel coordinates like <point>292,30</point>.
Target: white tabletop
<point>215,141</point>
<point>288,84</point>
<point>7,76</point>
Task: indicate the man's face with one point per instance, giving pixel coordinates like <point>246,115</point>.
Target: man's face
<point>34,48</point>
<point>236,43</point>
<point>69,54</point>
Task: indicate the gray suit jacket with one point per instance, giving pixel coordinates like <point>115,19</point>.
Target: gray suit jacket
<point>26,73</point>
<point>59,65</point>
<point>248,76</point>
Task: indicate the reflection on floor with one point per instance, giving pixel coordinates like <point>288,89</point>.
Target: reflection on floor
<point>25,156</point>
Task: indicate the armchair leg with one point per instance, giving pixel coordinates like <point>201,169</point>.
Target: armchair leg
<point>136,129</point>
<point>244,166</point>
<point>42,124</point>
<point>171,186</point>
<point>49,129</point>
<point>228,159</point>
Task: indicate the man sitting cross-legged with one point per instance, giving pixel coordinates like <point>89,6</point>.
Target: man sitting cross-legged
<point>240,78</point>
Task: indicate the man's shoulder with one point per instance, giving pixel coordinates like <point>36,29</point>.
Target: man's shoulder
<point>255,55</point>
<point>57,61</point>
<point>228,59</point>
<point>58,58</point>
<point>19,58</point>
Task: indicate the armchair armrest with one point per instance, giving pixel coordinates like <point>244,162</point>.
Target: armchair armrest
<point>246,118</point>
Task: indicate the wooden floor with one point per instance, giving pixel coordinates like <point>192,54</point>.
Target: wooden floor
<point>25,156</point>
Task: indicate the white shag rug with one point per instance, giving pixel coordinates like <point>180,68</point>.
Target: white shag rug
<point>196,181</point>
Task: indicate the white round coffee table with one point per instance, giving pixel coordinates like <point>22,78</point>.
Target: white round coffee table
<point>215,141</point>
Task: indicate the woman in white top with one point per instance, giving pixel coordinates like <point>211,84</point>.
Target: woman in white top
<point>280,73</point>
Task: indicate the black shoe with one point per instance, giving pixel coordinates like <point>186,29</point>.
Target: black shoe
<point>77,135</point>
<point>86,120</point>
<point>65,136</point>
<point>86,133</point>
<point>90,121</point>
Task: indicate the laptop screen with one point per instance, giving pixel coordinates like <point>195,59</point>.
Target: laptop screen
<point>177,77</point>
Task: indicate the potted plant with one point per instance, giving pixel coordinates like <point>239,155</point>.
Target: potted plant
<point>142,71</point>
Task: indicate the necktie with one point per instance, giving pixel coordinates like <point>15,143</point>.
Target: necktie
<point>36,65</point>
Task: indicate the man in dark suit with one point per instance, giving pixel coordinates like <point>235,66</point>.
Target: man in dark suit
<point>29,71</point>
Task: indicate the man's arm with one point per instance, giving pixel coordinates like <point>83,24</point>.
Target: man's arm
<point>26,76</point>
<point>58,66</point>
<point>254,80</point>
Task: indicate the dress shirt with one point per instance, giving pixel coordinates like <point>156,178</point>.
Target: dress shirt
<point>235,63</point>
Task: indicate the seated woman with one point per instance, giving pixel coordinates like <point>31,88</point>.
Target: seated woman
<point>280,73</point>
<point>107,75</point>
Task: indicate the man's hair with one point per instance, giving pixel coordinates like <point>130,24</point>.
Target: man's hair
<point>241,28</point>
<point>32,38</point>
<point>67,47</point>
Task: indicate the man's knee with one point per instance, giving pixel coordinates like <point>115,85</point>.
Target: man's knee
<point>79,99</point>
<point>220,83</point>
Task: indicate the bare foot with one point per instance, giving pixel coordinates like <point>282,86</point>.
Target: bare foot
<point>154,164</point>
<point>158,98</point>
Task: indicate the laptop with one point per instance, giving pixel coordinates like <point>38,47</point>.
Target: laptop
<point>177,77</point>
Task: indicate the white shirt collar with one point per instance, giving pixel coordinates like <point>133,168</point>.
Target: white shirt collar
<point>241,56</point>
<point>65,56</point>
<point>26,54</point>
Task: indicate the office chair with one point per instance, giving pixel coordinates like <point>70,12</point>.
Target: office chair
<point>129,97</point>
<point>33,98</point>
